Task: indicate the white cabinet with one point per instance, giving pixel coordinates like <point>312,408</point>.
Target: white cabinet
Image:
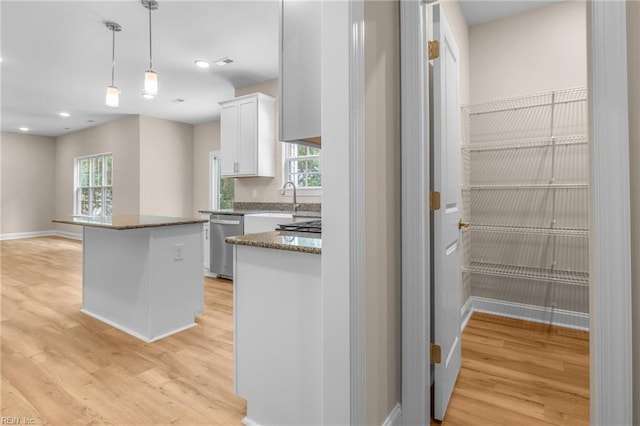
<point>299,83</point>
<point>277,314</point>
<point>247,136</point>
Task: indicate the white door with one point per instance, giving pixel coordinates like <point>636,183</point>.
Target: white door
<point>447,275</point>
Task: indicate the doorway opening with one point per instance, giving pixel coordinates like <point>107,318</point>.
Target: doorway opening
<point>525,190</point>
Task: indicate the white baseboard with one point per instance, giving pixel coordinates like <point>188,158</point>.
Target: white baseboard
<point>395,416</point>
<point>50,233</point>
<point>20,235</point>
<point>70,235</point>
<point>393,419</point>
<point>465,313</point>
<point>132,332</point>
<point>559,317</point>
<point>248,422</point>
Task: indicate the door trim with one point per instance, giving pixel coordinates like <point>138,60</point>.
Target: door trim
<point>343,245</point>
<point>610,257</point>
<point>357,228</point>
<point>416,298</point>
<point>611,380</point>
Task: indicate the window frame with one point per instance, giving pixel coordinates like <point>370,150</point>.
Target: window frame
<point>77,188</point>
<point>286,160</point>
<point>215,175</point>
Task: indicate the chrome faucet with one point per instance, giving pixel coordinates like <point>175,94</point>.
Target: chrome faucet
<point>295,201</point>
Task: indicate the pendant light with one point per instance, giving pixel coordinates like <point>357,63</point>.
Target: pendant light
<point>113,93</point>
<point>150,76</point>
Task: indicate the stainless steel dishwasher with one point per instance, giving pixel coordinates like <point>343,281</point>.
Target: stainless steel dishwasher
<point>221,254</point>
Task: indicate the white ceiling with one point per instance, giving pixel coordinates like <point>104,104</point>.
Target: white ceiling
<point>56,56</point>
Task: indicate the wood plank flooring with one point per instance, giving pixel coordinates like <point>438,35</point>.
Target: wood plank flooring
<point>520,373</point>
<point>62,367</point>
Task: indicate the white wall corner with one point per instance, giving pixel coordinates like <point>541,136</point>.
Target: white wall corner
<point>395,416</point>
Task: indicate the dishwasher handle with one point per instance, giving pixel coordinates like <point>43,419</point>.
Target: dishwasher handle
<point>224,222</point>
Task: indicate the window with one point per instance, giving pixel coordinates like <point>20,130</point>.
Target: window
<point>222,188</point>
<point>302,165</point>
<point>93,185</point>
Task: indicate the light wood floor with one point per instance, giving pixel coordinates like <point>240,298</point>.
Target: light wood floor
<point>62,367</point>
<point>520,373</point>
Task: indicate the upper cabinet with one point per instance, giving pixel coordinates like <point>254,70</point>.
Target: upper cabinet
<point>247,136</point>
<point>299,83</point>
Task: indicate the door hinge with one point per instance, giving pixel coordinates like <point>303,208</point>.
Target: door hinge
<point>435,354</point>
<point>434,200</point>
<point>434,49</point>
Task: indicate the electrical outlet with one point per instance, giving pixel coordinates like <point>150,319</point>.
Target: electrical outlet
<point>177,252</point>
<point>254,194</point>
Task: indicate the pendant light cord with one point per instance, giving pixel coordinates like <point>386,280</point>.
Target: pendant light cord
<point>150,55</point>
<point>113,56</point>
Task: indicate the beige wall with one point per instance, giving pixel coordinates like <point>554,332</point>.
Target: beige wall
<point>382,203</point>
<point>537,51</point>
<point>267,189</point>
<point>122,139</point>
<point>166,172</point>
<point>28,190</point>
<point>206,138</point>
<point>633,49</point>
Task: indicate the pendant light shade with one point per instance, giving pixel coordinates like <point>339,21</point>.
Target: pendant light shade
<point>150,83</point>
<point>113,94</point>
<point>113,97</point>
<point>150,76</point>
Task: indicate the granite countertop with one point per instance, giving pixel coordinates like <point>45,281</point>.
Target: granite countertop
<point>246,212</point>
<point>302,242</point>
<point>128,221</point>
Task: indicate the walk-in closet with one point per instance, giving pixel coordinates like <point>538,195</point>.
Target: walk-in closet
<point>525,192</point>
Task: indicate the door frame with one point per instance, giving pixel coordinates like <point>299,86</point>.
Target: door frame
<point>343,213</point>
<point>610,263</point>
<point>416,273</point>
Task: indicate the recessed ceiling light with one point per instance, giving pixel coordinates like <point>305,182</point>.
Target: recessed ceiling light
<point>64,114</point>
<point>147,96</point>
<point>223,61</point>
<point>201,63</point>
<point>24,129</point>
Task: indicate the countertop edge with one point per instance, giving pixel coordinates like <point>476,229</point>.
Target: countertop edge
<point>249,212</point>
<point>257,240</point>
<point>123,227</point>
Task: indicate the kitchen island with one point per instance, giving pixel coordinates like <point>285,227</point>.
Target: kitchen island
<point>142,274</point>
<point>277,327</point>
